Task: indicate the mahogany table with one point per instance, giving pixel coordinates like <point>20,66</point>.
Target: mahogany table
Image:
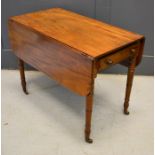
<point>72,49</point>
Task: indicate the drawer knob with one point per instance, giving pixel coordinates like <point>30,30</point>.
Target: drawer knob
<point>109,61</point>
<point>133,50</point>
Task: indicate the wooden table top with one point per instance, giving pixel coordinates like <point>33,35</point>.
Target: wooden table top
<point>89,36</point>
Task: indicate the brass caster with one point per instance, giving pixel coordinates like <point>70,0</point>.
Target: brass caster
<point>89,140</point>
<point>126,112</point>
<point>26,92</point>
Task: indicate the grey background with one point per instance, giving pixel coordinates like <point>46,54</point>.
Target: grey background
<point>133,15</point>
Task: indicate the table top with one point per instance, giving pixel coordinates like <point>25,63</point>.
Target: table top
<point>88,36</point>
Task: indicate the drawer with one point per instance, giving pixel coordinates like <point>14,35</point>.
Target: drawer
<point>116,57</point>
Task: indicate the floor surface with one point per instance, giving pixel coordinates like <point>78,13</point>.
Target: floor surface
<point>50,120</point>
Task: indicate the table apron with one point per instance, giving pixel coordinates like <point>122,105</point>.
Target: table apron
<point>117,57</point>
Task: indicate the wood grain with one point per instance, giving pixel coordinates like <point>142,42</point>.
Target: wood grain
<point>72,49</point>
<point>61,62</point>
<point>117,57</point>
<point>131,70</point>
<point>22,76</point>
<point>87,35</point>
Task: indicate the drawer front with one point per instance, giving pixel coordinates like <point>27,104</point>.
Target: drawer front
<point>117,57</point>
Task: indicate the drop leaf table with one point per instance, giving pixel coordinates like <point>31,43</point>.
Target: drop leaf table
<point>72,49</point>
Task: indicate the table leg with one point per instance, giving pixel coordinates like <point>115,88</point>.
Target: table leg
<point>89,107</point>
<point>131,70</point>
<point>22,75</point>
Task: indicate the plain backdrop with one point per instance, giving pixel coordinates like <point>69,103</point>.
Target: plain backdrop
<point>133,15</point>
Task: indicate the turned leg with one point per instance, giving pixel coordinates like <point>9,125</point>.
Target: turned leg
<point>89,106</point>
<point>131,70</point>
<point>22,75</point>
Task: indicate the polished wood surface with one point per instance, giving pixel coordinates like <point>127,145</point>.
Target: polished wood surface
<point>89,108</point>
<point>117,57</point>
<point>131,70</point>
<point>72,49</point>
<point>87,35</point>
<point>22,75</point>
<point>57,60</point>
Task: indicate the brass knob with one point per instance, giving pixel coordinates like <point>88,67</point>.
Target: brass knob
<point>109,61</point>
<point>133,50</point>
